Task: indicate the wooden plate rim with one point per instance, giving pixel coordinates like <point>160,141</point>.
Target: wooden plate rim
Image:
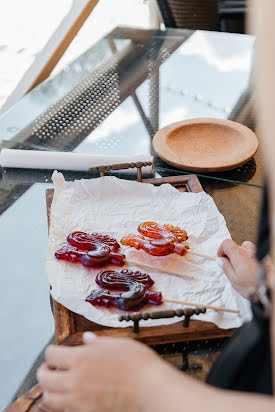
<point>161,135</point>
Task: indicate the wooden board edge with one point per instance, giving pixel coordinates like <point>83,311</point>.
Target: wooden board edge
<point>191,181</point>
<point>63,321</point>
<point>26,401</point>
<point>153,336</point>
<point>193,184</point>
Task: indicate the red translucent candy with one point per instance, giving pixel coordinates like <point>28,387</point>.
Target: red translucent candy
<point>113,280</point>
<point>103,298</point>
<point>84,241</point>
<point>99,255</point>
<point>156,247</point>
<point>135,284</point>
<point>154,298</point>
<point>106,299</point>
<point>69,253</point>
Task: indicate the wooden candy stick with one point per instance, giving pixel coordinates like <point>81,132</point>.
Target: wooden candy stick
<point>192,252</point>
<point>170,272</point>
<point>199,305</point>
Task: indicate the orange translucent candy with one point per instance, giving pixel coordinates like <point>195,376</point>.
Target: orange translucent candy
<point>152,230</point>
<point>155,231</point>
<point>155,247</point>
<point>179,233</point>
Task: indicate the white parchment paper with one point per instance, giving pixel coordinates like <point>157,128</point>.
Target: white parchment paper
<point>116,207</point>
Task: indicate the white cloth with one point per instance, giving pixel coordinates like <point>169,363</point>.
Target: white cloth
<point>39,159</point>
<point>116,207</point>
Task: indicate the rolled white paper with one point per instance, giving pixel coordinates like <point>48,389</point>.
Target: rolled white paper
<point>36,159</point>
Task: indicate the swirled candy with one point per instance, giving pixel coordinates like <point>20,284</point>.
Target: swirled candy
<point>155,231</point>
<point>135,284</point>
<point>158,240</point>
<point>112,280</point>
<point>85,241</point>
<point>98,255</point>
<point>156,247</point>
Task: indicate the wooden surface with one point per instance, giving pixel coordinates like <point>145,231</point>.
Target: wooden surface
<point>29,402</point>
<point>155,335</point>
<point>68,323</point>
<point>205,145</point>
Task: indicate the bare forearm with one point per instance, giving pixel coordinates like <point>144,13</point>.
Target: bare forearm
<point>174,391</point>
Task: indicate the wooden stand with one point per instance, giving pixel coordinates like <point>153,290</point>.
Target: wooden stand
<point>68,323</point>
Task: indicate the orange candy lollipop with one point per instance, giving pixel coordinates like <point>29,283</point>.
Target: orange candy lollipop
<point>155,231</point>
<point>166,239</point>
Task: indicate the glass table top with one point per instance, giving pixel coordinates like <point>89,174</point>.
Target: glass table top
<point>112,100</point>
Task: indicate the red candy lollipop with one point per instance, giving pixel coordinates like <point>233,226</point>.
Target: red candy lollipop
<point>136,284</point>
<point>91,250</point>
<point>84,241</point>
<point>113,280</point>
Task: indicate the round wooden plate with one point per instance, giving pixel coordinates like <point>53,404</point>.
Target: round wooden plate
<point>205,145</point>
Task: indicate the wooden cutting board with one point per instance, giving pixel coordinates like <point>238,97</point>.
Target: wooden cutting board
<point>205,145</point>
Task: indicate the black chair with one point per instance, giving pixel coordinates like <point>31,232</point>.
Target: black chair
<point>232,15</point>
<point>220,15</point>
<point>190,14</point>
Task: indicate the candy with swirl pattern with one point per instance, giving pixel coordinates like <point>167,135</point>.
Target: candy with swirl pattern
<point>155,231</point>
<point>84,241</point>
<point>136,285</point>
<point>99,255</point>
<point>156,247</point>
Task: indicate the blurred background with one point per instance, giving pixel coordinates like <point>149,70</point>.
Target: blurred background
<point>26,26</point>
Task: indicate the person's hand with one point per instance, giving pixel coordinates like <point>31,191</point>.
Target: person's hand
<point>239,264</point>
<point>109,374</point>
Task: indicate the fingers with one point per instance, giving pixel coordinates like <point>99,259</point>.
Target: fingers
<point>65,357</point>
<point>57,401</point>
<point>232,251</point>
<point>51,380</point>
<point>228,249</point>
<point>227,256</point>
<point>226,266</point>
<point>88,337</point>
<point>250,247</point>
<point>60,357</point>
